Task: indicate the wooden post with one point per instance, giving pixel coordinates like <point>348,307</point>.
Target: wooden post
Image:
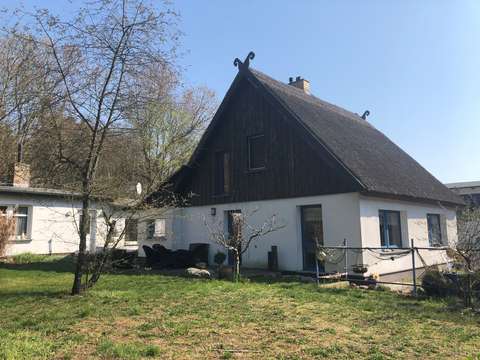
<point>414,272</point>
<point>346,259</point>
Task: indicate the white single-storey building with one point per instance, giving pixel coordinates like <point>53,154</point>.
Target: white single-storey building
<point>325,172</point>
<point>46,220</point>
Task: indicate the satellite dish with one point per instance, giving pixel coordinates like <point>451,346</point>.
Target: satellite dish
<point>139,189</point>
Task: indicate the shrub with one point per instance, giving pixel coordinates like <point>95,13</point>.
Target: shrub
<point>435,283</point>
<point>219,258</point>
<point>28,258</point>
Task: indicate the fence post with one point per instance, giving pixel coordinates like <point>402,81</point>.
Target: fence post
<point>414,272</point>
<point>346,259</point>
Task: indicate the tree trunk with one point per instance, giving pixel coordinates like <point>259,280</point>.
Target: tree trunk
<point>104,257</point>
<point>82,248</point>
<point>236,273</point>
<point>468,291</point>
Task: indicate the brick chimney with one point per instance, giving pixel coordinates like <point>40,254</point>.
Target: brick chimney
<point>300,83</point>
<point>21,175</point>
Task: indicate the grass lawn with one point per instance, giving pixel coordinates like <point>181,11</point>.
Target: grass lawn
<point>134,316</point>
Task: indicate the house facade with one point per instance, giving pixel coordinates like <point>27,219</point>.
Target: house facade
<point>326,173</point>
<point>276,149</point>
<point>46,220</point>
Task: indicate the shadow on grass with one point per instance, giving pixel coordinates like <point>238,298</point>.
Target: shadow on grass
<point>55,264</point>
<point>50,294</point>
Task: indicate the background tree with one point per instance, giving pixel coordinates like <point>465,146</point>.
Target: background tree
<point>26,87</point>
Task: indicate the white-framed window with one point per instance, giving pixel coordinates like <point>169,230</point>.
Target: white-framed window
<point>23,217</point>
<point>155,228</point>
<point>160,227</point>
<point>20,214</point>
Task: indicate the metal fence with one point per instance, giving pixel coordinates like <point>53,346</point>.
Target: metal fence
<point>339,255</point>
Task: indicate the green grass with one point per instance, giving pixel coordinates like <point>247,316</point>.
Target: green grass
<point>147,316</point>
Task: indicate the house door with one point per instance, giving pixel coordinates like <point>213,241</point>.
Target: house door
<point>230,233</point>
<point>312,233</point>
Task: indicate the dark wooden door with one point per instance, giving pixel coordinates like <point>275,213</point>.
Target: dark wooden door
<point>312,232</point>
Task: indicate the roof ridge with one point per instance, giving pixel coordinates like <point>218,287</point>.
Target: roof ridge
<point>314,99</point>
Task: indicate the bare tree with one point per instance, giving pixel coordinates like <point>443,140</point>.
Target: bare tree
<point>98,58</point>
<point>466,249</point>
<point>27,88</point>
<point>243,234</point>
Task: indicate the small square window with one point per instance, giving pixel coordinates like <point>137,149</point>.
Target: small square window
<point>256,152</point>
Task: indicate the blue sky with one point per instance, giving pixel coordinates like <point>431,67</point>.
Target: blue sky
<point>413,64</point>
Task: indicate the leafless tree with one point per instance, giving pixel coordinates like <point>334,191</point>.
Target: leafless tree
<point>467,246</point>
<point>243,233</point>
<point>466,249</point>
<point>27,88</point>
<point>99,57</point>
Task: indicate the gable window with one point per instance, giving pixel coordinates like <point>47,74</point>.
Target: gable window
<point>390,229</point>
<point>256,152</point>
<point>222,173</point>
<point>21,221</point>
<point>434,230</point>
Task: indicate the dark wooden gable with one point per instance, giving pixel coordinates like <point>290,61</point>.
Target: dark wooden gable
<point>295,164</point>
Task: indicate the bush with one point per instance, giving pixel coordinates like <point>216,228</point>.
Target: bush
<point>219,258</point>
<point>435,283</point>
<point>28,258</point>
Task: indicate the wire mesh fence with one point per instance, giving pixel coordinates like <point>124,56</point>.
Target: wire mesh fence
<point>409,265</point>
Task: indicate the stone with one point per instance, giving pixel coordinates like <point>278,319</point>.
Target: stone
<point>198,273</point>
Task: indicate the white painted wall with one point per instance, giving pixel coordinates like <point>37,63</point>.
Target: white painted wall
<point>345,216</point>
<point>165,232</point>
<point>340,220</point>
<point>414,226</point>
<point>52,224</point>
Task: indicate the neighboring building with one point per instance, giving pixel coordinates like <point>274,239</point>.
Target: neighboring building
<point>468,190</point>
<point>47,219</point>
<point>324,171</point>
